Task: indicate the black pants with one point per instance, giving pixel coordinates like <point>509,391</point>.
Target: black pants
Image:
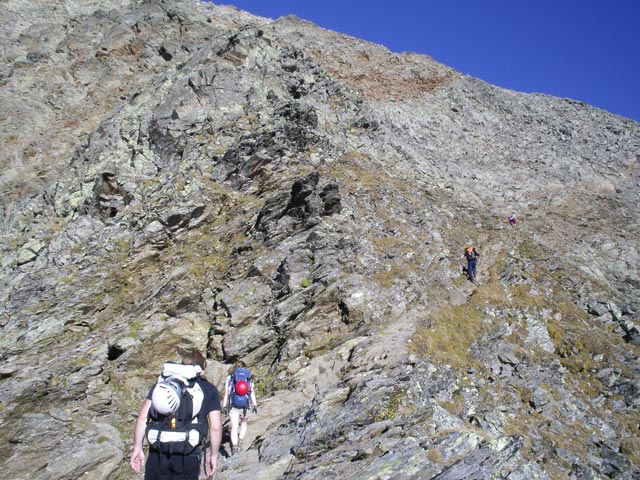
<point>471,269</point>
<point>164,466</point>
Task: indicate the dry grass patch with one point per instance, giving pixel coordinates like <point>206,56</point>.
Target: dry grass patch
<point>454,328</point>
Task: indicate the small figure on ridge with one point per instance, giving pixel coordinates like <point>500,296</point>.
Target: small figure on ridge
<point>471,254</point>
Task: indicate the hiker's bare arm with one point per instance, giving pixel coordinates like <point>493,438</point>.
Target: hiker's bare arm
<point>253,398</point>
<point>225,399</point>
<point>215,437</point>
<point>137,455</point>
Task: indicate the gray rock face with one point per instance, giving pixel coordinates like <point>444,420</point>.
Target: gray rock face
<point>179,175</point>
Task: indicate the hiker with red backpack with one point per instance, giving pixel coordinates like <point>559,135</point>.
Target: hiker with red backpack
<point>239,400</point>
<point>181,410</point>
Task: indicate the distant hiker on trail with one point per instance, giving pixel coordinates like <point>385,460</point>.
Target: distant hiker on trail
<point>239,398</point>
<point>471,254</point>
<point>180,411</point>
<point>512,218</point>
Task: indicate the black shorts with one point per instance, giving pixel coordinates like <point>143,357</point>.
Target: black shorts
<point>163,466</point>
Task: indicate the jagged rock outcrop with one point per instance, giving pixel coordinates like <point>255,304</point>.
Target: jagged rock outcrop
<point>179,174</point>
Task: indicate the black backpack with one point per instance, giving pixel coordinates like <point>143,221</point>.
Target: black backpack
<point>184,430</point>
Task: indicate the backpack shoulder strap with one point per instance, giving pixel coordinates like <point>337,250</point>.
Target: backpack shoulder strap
<point>197,397</point>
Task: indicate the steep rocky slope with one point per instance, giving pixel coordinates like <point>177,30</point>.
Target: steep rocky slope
<point>179,174</point>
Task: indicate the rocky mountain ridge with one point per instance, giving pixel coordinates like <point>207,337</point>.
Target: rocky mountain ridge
<point>182,174</point>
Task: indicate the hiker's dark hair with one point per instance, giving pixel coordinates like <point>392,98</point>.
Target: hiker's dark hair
<point>238,364</point>
<point>194,357</point>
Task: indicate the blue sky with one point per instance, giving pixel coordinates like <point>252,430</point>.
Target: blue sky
<point>587,50</point>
